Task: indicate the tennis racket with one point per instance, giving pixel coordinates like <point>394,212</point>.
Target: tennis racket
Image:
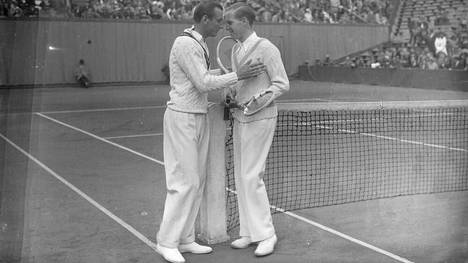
<point>223,53</point>
<point>257,103</point>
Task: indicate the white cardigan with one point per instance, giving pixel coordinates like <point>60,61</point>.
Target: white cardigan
<point>275,79</point>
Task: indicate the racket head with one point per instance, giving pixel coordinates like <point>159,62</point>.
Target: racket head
<point>258,103</point>
<point>223,53</point>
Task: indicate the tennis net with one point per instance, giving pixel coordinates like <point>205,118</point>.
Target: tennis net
<point>335,153</point>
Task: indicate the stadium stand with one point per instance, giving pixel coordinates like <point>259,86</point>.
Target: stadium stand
<point>275,11</point>
<point>426,35</point>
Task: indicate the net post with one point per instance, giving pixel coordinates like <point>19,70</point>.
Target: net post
<point>211,223</point>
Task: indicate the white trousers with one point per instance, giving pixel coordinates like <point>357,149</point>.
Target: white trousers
<point>186,137</point>
<point>252,142</point>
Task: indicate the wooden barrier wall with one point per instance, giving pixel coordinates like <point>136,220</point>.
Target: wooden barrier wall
<point>442,79</point>
<point>36,52</point>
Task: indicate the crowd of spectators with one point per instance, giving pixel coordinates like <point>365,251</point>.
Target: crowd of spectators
<point>435,43</point>
<point>275,11</point>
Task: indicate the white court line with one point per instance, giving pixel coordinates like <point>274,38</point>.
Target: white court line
<point>335,232</point>
<point>381,251</point>
<point>342,235</point>
<point>159,107</point>
<point>395,139</point>
<point>302,100</point>
<point>133,136</point>
<point>100,138</point>
<point>105,109</point>
<point>85,196</point>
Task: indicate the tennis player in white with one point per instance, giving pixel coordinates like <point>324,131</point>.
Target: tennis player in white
<point>253,134</point>
<point>186,131</point>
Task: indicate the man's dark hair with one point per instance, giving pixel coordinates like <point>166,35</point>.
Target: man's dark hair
<point>205,8</point>
<point>241,9</point>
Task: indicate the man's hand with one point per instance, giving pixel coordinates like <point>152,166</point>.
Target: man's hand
<point>250,70</point>
<point>229,70</point>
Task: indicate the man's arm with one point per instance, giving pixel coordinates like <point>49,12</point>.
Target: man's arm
<point>275,69</point>
<point>191,60</point>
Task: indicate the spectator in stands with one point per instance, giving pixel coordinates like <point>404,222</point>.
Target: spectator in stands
<point>348,62</point>
<point>463,42</point>
<point>278,17</point>
<point>3,9</point>
<point>431,63</point>
<point>412,27</point>
<point>440,42</point>
<point>327,61</point>
<point>374,62</point>
<point>345,18</point>
<point>157,11</point>
<point>308,16</point>
<point>413,60</point>
<point>318,62</point>
<point>464,60</point>
<point>14,10</point>
<point>443,61</point>
<point>423,39</point>
<point>82,74</point>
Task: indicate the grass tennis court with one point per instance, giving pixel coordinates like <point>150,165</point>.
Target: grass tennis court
<point>106,143</point>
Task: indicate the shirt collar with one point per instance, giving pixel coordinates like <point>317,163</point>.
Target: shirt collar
<point>250,41</point>
<point>195,34</point>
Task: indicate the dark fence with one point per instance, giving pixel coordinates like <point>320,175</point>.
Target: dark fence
<point>416,78</point>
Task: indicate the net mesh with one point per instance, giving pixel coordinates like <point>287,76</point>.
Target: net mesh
<point>340,154</point>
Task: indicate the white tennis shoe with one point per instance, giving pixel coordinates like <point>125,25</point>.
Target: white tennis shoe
<point>266,246</point>
<point>170,254</point>
<point>195,248</point>
<point>242,242</point>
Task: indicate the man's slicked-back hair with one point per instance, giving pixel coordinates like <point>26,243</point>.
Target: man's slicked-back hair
<point>205,8</point>
<point>241,9</point>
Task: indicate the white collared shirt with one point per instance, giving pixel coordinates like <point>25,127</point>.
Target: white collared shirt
<point>190,79</point>
<point>248,43</point>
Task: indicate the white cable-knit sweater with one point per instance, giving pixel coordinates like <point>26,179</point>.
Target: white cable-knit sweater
<point>190,79</point>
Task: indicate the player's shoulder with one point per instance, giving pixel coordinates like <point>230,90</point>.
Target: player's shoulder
<point>266,44</point>
<point>184,40</point>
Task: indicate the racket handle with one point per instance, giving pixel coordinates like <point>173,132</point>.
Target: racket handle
<point>227,113</point>
<point>227,107</point>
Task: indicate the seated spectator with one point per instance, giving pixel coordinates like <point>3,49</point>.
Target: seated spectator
<point>456,61</point>
<point>318,62</point>
<point>374,62</point>
<point>14,10</point>
<point>308,16</point>
<point>431,63</point>
<point>327,61</point>
<point>463,42</point>
<point>157,11</point>
<point>442,60</point>
<point>82,74</point>
<point>348,62</point>
<point>465,60</point>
